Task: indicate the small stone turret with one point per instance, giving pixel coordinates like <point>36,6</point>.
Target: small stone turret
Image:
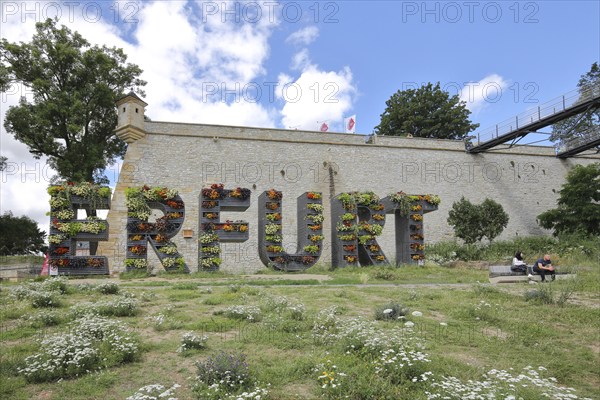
<point>130,124</point>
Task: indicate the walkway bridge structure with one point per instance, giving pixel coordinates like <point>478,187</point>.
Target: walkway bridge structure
<point>568,105</point>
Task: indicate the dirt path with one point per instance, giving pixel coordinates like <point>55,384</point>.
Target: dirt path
<point>236,278</point>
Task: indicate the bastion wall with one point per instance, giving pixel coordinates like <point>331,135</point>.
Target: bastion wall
<point>525,180</point>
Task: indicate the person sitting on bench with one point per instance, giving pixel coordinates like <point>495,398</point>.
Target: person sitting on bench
<point>518,264</point>
<point>544,266</point>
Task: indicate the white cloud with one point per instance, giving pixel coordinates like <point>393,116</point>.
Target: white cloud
<point>304,36</point>
<point>23,183</point>
<point>301,60</point>
<point>180,55</point>
<point>478,95</point>
<point>316,96</point>
<point>201,72</point>
<point>199,69</point>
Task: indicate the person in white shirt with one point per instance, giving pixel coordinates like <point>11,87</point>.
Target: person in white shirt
<point>518,264</point>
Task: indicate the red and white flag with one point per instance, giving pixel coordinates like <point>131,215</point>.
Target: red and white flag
<point>350,124</point>
<point>324,127</point>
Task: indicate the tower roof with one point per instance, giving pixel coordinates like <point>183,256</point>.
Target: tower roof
<point>133,95</point>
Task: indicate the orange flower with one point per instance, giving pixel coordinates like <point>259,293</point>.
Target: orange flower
<point>274,194</point>
<point>272,205</point>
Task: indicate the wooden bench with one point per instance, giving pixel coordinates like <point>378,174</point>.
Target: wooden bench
<point>503,274</point>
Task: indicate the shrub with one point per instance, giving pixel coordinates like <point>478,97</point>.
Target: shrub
<point>543,295</point>
<point>57,284</point>
<point>162,322</point>
<point>43,299</point>
<point>500,384</point>
<point>284,307</point>
<point>108,288</point>
<point>331,381</point>
<point>547,294</point>
<point>404,365</point>
<point>43,318</point>
<point>473,222</point>
<point>247,313</point>
<point>235,288</point>
<point>391,311</point>
<point>43,293</point>
<point>92,343</point>
<point>119,307</point>
<point>190,341</point>
<point>229,371</point>
<point>154,392</point>
<point>386,274</point>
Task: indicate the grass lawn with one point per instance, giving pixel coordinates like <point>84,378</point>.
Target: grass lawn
<point>316,335</point>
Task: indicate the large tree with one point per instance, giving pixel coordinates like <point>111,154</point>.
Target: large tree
<point>578,203</point>
<point>75,86</point>
<point>583,125</point>
<point>428,112</point>
<point>20,236</point>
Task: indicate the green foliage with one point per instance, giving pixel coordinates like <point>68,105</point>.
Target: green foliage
<point>464,218</point>
<point>306,340</point>
<point>20,236</point>
<point>311,249</point>
<point>391,311</point>
<point>573,250</point>
<point>119,307</point>
<point>473,222</point>
<point>231,369</point>
<point>493,219</point>
<point>75,87</point>
<point>428,112</point>
<point>44,299</point>
<point>583,126</point>
<point>541,295</point>
<point>108,288</point>
<point>92,343</point>
<point>578,204</point>
<point>383,273</point>
<point>403,202</point>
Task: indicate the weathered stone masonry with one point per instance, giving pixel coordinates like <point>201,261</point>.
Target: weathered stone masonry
<point>187,157</point>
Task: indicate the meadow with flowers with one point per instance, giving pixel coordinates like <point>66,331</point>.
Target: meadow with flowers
<point>432,332</point>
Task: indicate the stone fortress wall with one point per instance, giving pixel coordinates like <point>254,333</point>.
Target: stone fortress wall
<point>525,180</point>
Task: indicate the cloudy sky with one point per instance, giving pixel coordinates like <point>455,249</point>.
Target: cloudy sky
<point>296,64</point>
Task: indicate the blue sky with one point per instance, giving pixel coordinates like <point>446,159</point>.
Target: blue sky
<point>347,57</point>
